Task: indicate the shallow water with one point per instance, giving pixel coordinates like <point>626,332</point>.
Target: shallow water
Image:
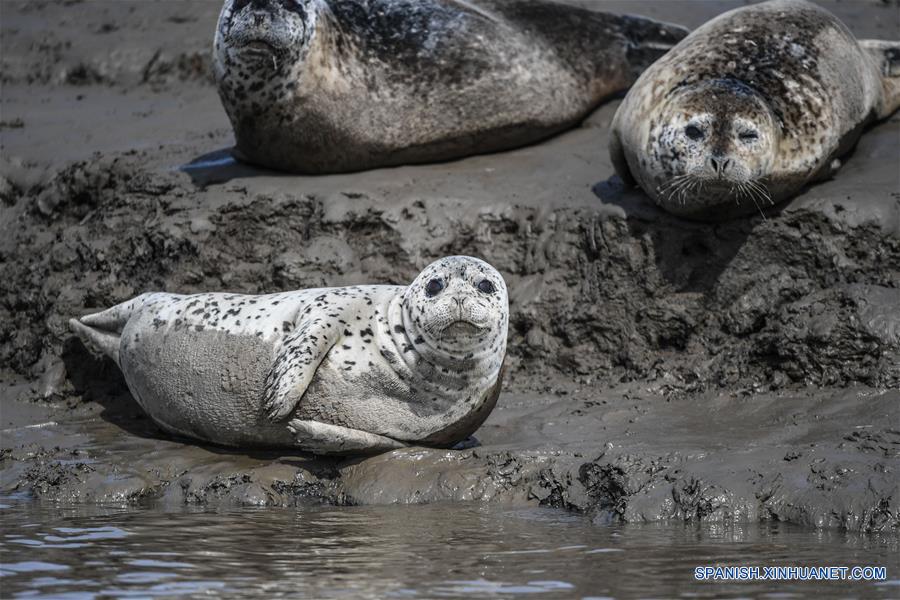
<point>432,551</point>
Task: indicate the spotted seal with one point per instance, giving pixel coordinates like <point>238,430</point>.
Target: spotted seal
<point>320,86</point>
<point>330,370</point>
<point>750,108</point>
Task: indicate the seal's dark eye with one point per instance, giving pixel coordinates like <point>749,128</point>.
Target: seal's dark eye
<point>433,287</point>
<point>693,132</point>
<point>485,287</point>
<point>748,136</point>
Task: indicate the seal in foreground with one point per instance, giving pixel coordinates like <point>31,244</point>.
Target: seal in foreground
<point>319,86</point>
<point>355,369</point>
<point>750,108</point>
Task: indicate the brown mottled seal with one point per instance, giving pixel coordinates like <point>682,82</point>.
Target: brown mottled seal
<point>332,370</point>
<point>750,108</point>
<point>320,86</point>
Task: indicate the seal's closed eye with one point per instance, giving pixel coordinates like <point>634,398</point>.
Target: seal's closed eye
<point>693,132</point>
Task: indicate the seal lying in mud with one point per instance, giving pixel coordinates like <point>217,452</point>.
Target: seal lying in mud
<point>750,108</point>
<point>319,86</point>
<point>356,369</point>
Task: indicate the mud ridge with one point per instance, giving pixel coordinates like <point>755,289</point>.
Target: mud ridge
<point>614,299</point>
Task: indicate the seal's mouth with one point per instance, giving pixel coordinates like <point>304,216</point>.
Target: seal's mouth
<point>716,186</point>
<point>462,329</point>
<point>262,53</point>
<point>709,199</point>
<point>711,188</point>
<point>259,46</point>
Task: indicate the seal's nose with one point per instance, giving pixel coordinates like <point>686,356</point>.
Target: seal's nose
<point>264,6</point>
<point>273,5</point>
<point>458,304</point>
<point>719,164</point>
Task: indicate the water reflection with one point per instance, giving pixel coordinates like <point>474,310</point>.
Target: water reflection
<point>450,551</point>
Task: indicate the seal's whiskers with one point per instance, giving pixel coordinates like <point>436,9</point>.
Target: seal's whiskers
<point>751,192</point>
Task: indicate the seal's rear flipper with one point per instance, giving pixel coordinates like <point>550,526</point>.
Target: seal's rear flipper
<point>322,438</point>
<point>648,40</point>
<point>114,319</point>
<point>102,341</point>
<point>886,55</point>
<point>613,49</point>
<point>102,331</point>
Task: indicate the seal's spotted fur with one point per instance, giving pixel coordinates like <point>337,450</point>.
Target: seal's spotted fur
<point>751,107</point>
<point>359,368</point>
<point>339,85</point>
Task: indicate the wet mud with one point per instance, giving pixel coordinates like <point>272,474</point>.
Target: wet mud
<point>658,368</point>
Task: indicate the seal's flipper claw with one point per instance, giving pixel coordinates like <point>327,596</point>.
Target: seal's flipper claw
<point>276,410</point>
<point>323,438</point>
<point>278,402</point>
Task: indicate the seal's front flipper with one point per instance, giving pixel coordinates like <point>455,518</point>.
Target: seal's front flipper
<point>886,55</point>
<point>322,438</point>
<point>295,364</point>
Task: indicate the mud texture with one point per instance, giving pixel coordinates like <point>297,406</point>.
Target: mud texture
<point>658,368</point>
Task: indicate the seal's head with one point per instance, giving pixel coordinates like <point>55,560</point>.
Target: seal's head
<point>458,306</point>
<point>713,146</point>
<point>265,34</point>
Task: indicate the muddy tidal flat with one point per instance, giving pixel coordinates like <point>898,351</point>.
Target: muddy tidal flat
<point>661,373</point>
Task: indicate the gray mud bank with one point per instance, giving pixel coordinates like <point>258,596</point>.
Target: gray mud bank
<point>658,368</point>
<point>823,458</point>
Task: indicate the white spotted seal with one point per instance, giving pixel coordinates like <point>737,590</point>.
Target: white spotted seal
<point>322,86</point>
<point>330,370</point>
<point>750,108</point>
